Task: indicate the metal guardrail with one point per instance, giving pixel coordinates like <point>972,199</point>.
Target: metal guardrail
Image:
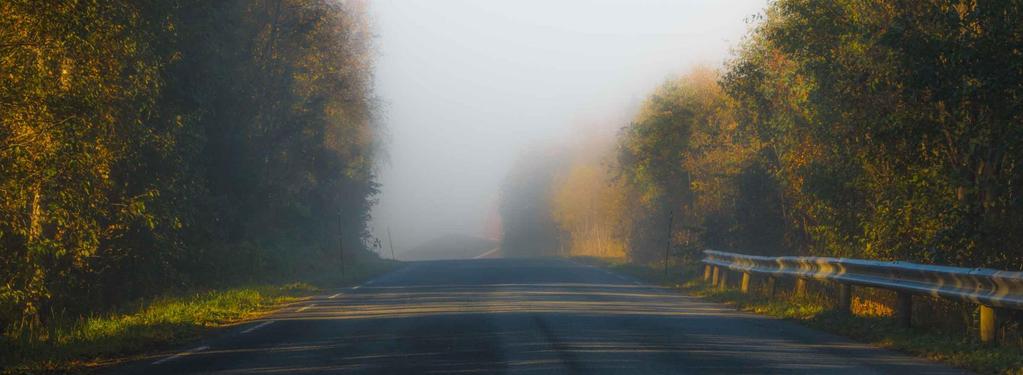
<point>978,285</point>
<point>987,287</point>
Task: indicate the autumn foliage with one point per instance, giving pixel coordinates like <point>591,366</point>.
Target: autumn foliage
<point>876,129</point>
<point>176,144</point>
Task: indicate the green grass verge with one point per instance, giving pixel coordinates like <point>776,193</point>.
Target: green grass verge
<point>814,310</point>
<point>83,344</point>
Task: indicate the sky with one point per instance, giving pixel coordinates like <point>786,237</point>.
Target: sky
<point>467,86</point>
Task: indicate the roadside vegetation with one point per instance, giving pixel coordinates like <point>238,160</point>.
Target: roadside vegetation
<point>153,324</point>
<point>160,322</point>
<point>851,129</point>
<point>856,129</point>
<point>932,337</point>
<point>150,150</point>
<point>933,341</point>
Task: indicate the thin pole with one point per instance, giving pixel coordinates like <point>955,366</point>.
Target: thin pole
<point>340,244</point>
<point>667,245</point>
<point>390,241</point>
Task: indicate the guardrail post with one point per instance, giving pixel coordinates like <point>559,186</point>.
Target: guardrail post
<point>988,324</point>
<point>981,286</point>
<point>706,272</point>
<point>904,309</point>
<point>845,298</point>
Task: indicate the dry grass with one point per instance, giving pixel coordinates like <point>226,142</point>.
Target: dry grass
<point>79,344</point>
<point>943,330</point>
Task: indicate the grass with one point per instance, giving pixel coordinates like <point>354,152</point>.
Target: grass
<point>86,343</point>
<point>871,322</point>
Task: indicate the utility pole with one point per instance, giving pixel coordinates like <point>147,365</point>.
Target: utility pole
<point>390,241</point>
<point>340,244</point>
<point>667,245</point>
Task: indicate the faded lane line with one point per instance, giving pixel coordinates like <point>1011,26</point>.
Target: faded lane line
<point>182,354</point>
<point>486,254</point>
<point>335,296</point>
<point>258,326</point>
<point>370,282</point>
<point>609,273</point>
<point>306,308</point>
<point>356,287</point>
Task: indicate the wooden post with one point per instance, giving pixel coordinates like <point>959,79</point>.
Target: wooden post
<point>390,242</point>
<point>667,245</point>
<point>845,298</point>
<point>340,244</point>
<point>723,279</point>
<point>988,324</point>
<point>744,286</point>
<point>706,272</point>
<point>772,283</point>
<point>904,309</point>
<point>800,287</point>
<point>716,276</point>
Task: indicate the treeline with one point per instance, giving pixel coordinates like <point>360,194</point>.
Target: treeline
<point>172,144</point>
<point>867,129</point>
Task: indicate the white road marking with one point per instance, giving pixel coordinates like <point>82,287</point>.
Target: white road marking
<point>335,296</point>
<point>306,308</point>
<point>182,354</point>
<point>258,326</point>
<point>356,287</point>
<point>486,254</point>
<point>609,273</point>
<point>370,282</point>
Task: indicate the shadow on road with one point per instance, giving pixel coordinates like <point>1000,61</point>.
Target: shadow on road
<point>528,316</point>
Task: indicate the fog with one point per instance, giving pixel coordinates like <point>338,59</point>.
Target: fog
<point>466,86</point>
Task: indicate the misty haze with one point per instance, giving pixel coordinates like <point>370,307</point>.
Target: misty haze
<point>521,187</point>
<point>469,87</point>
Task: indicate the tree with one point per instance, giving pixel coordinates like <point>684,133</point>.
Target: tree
<point>912,106</point>
<point>592,210</point>
<point>177,143</point>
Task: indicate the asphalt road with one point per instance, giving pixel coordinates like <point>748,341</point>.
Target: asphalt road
<point>521,316</point>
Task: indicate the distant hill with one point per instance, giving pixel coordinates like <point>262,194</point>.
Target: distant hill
<point>450,246</point>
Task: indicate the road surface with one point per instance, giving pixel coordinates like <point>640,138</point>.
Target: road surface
<point>528,316</point>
